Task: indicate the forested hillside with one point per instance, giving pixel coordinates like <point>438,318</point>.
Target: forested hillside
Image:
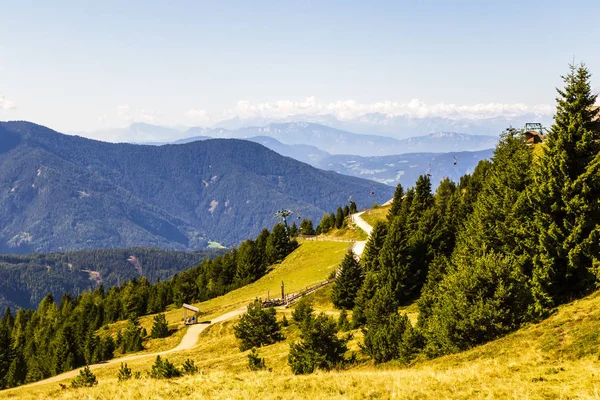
<point>503,247</point>
<point>62,334</point>
<point>26,279</point>
<point>60,192</point>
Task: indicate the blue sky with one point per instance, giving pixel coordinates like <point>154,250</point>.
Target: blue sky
<point>80,66</point>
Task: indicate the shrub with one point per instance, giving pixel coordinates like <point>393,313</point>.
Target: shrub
<point>85,379</point>
<point>303,311</point>
<point>189,367</point>
<point>160,327</point>
<point>255,362</point>
<point>343,324</point>
<point>124,373</point>
<point>477,302</point>
<point>394,339</point>
<point>284,321</point>
<point>132,338</point>
<point>319,348</point>
<point>257,327</point>
<point>164,369</point>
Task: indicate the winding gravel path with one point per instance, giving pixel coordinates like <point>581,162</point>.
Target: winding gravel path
<point>189,340</point>
<point>359,246</point>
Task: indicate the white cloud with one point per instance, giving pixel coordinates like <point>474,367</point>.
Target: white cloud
<point>197,115</point>
<point>147,117</point>
<point>127,114</point>
<point>349,109</point>
<point>6,104</point>
<point>124,113</point>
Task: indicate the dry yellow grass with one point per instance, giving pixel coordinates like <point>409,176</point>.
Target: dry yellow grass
<point>310,263</point>
<point>376,214</point>
<point>557,358</point>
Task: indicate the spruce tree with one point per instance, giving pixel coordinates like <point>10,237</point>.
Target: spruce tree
<point>353,207</point>
<point>303,311</point>
<point>249,265</point>
<point>306,227</point>
<point>257,327</point>
<point>339,218</point>
<point>396,203</point>
<point>370,256</point>
<point>347,283</point>
<point>278,244</point>
<point>160,327</point>
<point>565,197</point>
<point>319,347</point>
<point>5,353</point>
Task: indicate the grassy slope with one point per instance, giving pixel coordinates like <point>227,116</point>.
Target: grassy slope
<point>557,358</point>
<point>375,214</point>
<point>350,232</point>
<point>310,263</point>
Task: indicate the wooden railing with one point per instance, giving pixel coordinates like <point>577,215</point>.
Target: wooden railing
<point>324,239</point>
<point>294,297</point>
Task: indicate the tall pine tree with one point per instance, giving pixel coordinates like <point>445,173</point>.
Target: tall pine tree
<point>565,197</point>
<point>347,283</point>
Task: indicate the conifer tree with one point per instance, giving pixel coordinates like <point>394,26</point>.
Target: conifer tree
<point>17,371</point>
<point>565,197</point>
<point>353,207</point>
<point>370,256</point>
<point>294,230</point>
<point>303,311</point>
<point>160,327</point>
<point>319,347</point>
<point>339,218</point>
<point>5,353</point>
<point>278,244</point>
<point>257,327</point>
<point>396,203</point>
<point>249,265</point>
<point>347,283</point>
<point>306,227</point>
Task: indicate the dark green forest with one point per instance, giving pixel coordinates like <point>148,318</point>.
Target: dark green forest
<point>63,334</point>
<point>482,257</point>
<point>26,279</point>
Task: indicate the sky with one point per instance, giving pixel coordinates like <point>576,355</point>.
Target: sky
<point>80,66</point>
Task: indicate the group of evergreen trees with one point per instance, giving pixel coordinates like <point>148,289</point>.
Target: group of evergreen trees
<point>502,247</point>
<point>336,220</point>
<point>36,344</point>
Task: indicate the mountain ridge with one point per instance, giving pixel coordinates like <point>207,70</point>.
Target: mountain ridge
<point>61,192</point>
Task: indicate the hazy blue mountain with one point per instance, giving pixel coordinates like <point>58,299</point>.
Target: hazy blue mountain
<point>399,127</point>
<point>335,141</point>
<point>142,133</point>
<point>60,192</point>
<point>301,152</point>
<point>406,168</point>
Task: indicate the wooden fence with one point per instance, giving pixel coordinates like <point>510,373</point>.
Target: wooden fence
<point>294,297</point>
<point>324,239</point>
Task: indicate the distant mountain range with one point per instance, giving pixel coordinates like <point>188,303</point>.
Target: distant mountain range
<point>60,192</point>
<point>390,170</point>
<point>399,127</point>
<point>321,138</point>
<point>335,141</point>
<point>406,168</point>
